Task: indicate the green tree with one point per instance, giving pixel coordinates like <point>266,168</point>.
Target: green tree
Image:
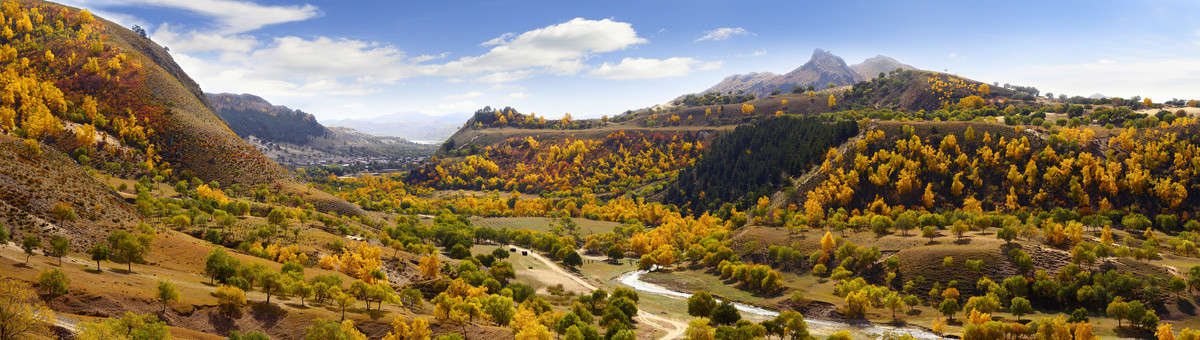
<point>29,244</point>
<point>218,265</point>
<point>907,221</point>
<point>1007,233</point>
<point>1020,307</point>
<point>701,304</point>
<point>500,253</point>
<point>276,216</point>
<point>343,301</point>
<point>793,325</point>
<point>99,252</point>
<point>130,326</point>
<point>60,247</point>
<point>894,302</point>
<point>250,335</point>
<point>615,253</point>
<point>949,308</point>
<point>128,248</point>
<point>166,293</point>
<point>572,259</point>
<point>271,284</point>
<point>726,314</point>
<point>500,309</point>
<point>929,232</point>
<point>329,330</point>
<point>53,282</point>
<point>1118,309</point>
<point>301,289</point>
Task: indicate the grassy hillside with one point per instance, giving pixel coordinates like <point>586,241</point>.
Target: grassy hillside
<point>84,85</point>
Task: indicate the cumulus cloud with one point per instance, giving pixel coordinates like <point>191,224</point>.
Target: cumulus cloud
<point>722,33</point>
<point>324,57</point>
<point>237,16</point>
<point>231,16</point>
<point>644,68</point>
<point>195,41</point>
<point>556,49</point>
<point>298,67</point>
<point>518,95</point>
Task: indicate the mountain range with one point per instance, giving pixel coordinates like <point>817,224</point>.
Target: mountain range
<point>822,69</point>
<point>294,137</point>
<point>414,126</point>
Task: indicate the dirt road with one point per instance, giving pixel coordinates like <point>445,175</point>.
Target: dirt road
<point>674,329</point>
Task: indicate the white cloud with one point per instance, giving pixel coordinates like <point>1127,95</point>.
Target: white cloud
<point>231,16</point>
<point>504,77</point>
<point>723,33</point>
<point>518,95</point>
<point>501,86</point>
<point>298,67</point>
<point>643,68</point>
<point>295,57</point>
<point>237,16</point>
<point>758,53</point>
<point>953,55</point>
<point>558,49</point>
<point>501,40</point>
<point>468,95</point>
<point>427,57</point>
<point>202,42</point>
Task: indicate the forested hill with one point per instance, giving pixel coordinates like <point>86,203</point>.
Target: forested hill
<point>755,160</point>
<point>250,115</point>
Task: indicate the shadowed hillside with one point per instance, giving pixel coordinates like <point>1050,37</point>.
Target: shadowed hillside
<point>250,115</point>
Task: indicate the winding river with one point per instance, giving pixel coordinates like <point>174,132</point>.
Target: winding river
<point>633,279</point>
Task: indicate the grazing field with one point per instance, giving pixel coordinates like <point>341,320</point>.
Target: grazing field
<point>542,224</point>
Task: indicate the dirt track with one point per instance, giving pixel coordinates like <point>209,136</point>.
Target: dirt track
<point>674,329</point>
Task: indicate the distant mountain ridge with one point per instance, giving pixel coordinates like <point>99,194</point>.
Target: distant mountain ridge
<point>408,125</point>
<point>250,115</point>
<point>822,69</point>
<point>295,137</point>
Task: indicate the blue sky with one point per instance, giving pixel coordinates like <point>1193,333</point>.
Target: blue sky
<point>356,59</point>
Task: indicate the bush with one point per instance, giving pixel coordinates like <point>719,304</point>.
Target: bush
<point>230,298</point>
<point>53,282</point>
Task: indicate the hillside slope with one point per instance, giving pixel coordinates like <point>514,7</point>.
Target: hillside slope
<point>250,115</point>
<point>191,136</point>
<point>91,87</point>
<point>872,67</point>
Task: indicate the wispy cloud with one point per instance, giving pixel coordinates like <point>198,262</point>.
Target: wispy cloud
<point>758,53</point>
<point>643,68</point>
<point>723,33</point>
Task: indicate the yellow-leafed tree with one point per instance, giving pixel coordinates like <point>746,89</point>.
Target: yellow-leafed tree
<point>430,266</point>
